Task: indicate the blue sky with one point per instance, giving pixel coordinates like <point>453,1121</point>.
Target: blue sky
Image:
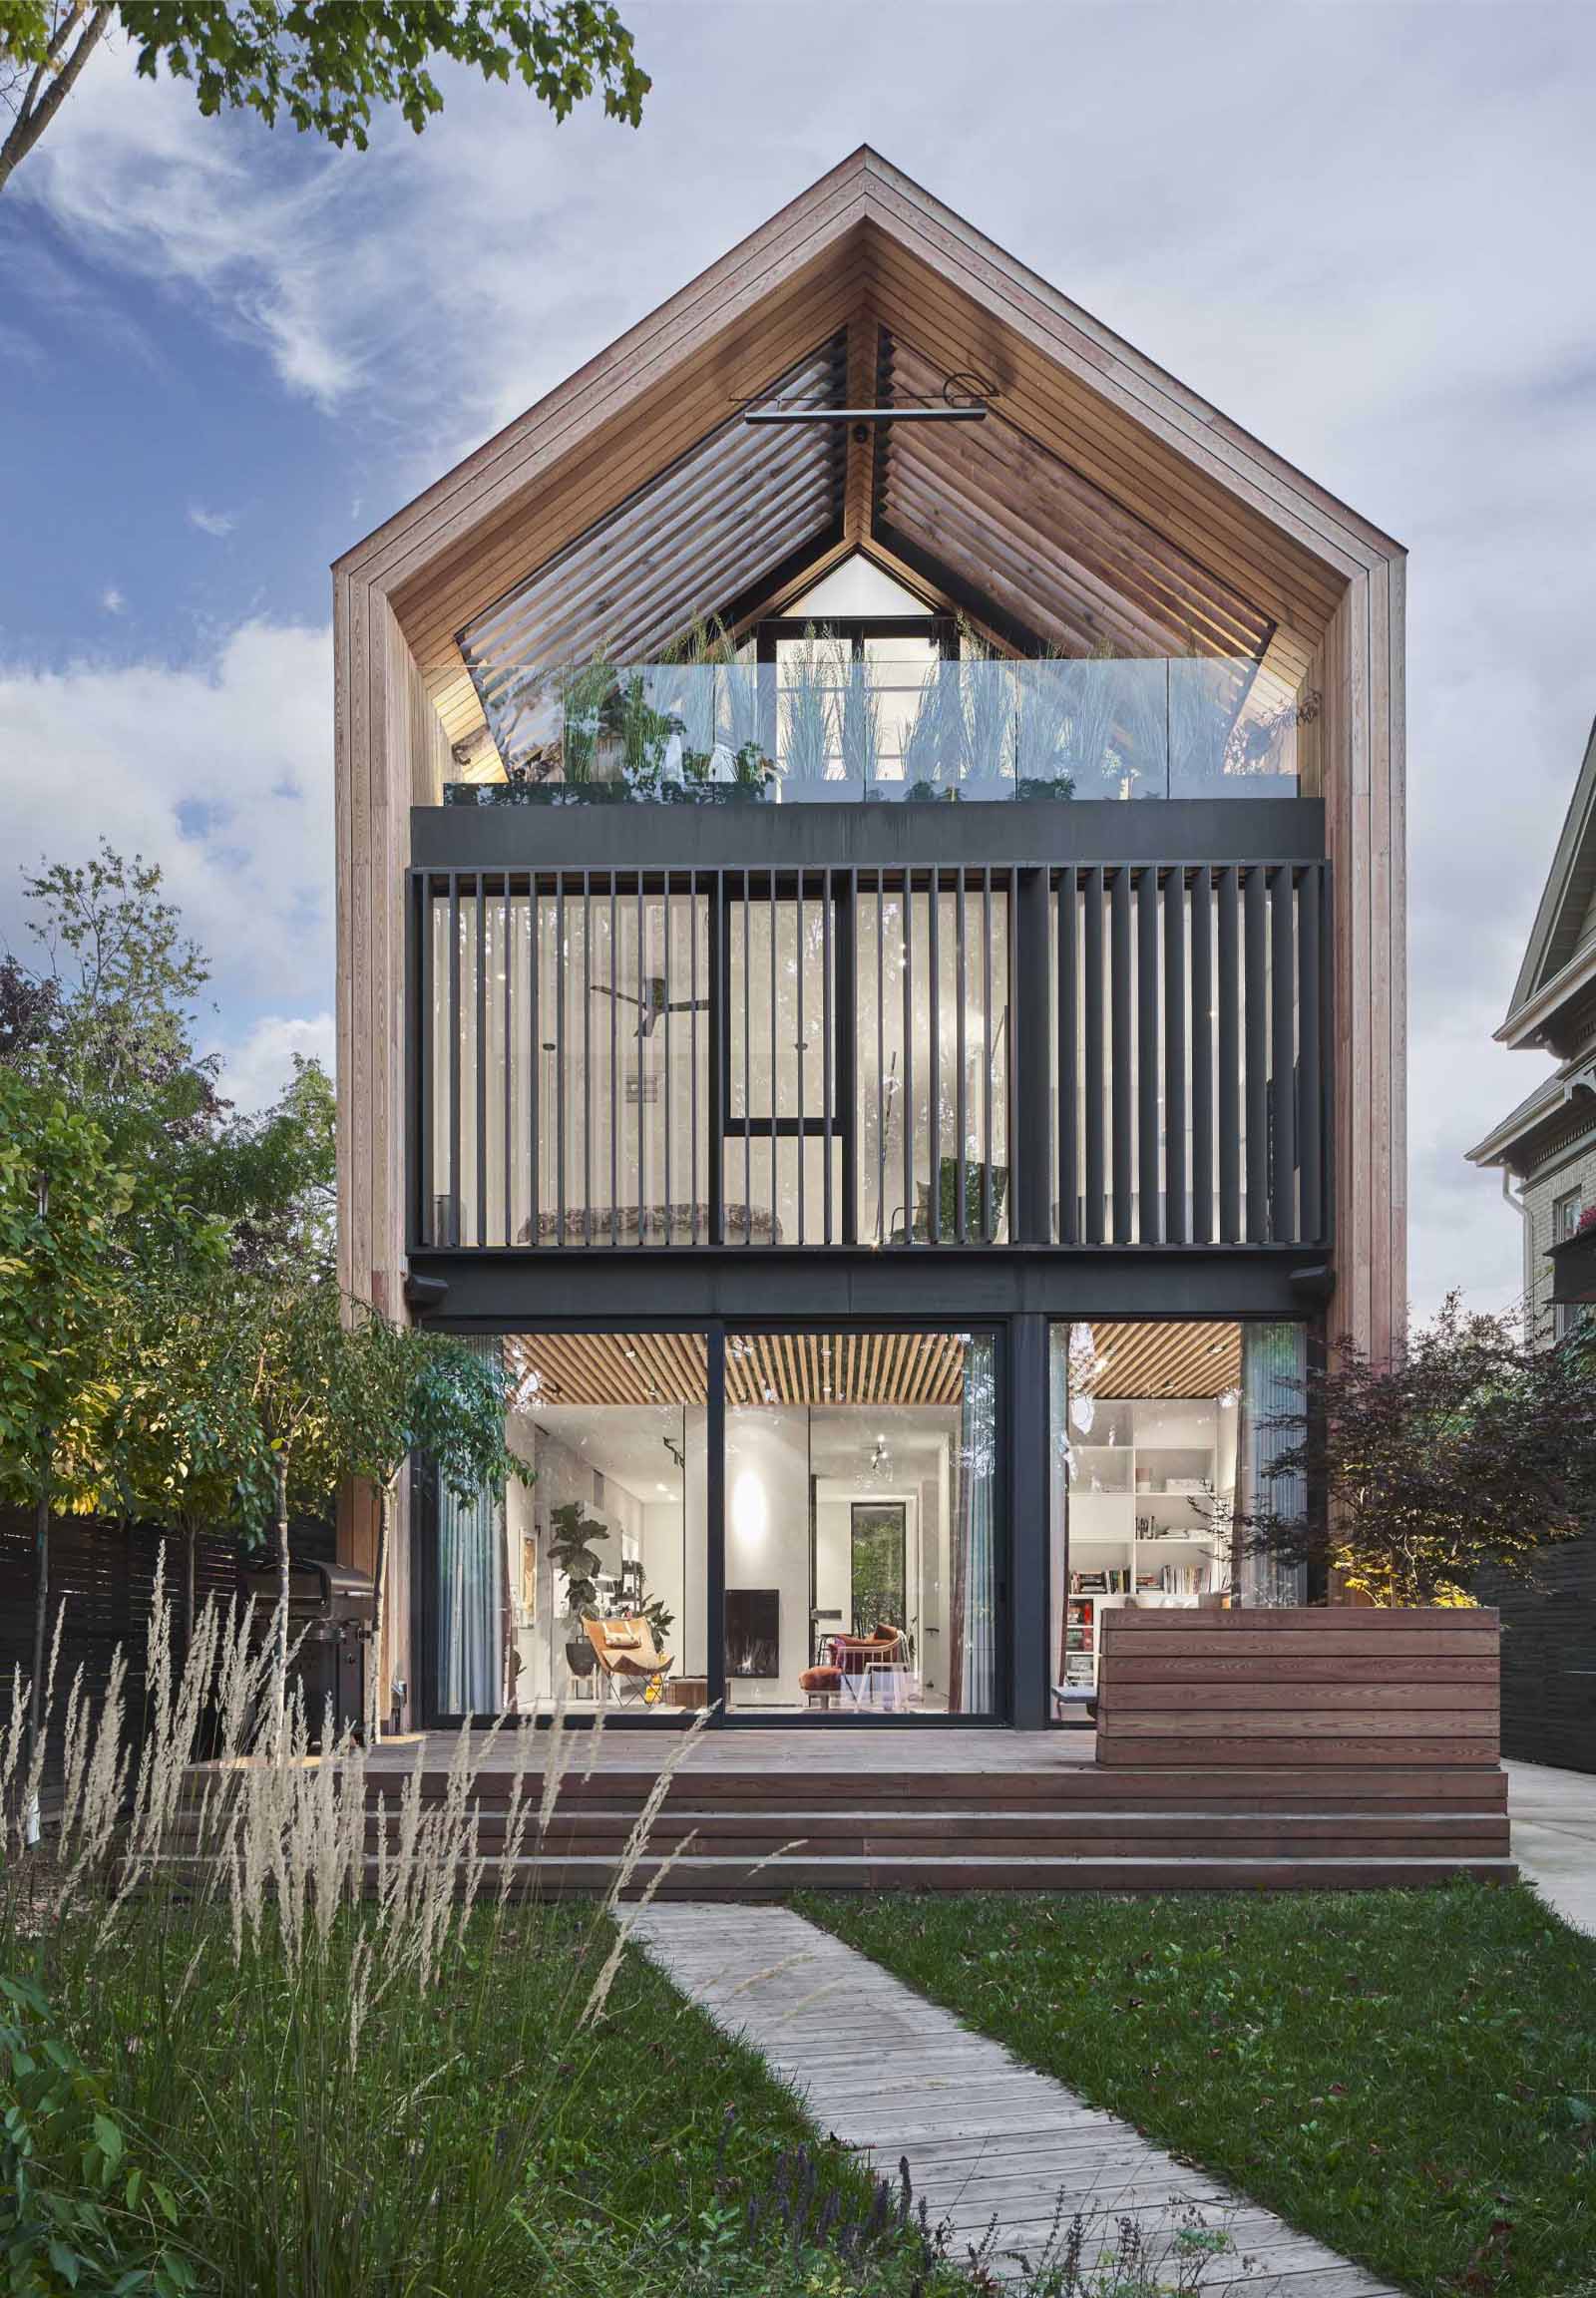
<point>225,354</point>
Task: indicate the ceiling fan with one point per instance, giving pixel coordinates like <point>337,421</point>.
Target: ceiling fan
<point>652,1002</point>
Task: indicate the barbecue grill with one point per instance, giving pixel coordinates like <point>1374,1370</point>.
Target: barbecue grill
<point>332,1615</point>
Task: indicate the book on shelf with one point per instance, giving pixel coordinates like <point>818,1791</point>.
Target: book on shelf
<point>1111,1580</point>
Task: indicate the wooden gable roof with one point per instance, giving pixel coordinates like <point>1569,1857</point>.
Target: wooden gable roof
<point>1559,964</point>
<point>1106,502</point>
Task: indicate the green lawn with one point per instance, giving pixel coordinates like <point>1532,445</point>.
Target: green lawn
<point>1408,2076</point>
<point>483,2142</point>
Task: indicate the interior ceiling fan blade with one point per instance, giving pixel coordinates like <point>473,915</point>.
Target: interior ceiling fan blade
<point>604,989</point>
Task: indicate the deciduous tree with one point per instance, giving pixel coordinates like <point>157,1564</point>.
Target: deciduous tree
<point>1470,1450</point>
<point>61,1193</point>
<point>405,1390</point>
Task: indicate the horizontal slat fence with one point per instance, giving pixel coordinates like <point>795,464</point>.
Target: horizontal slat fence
<point>102,1586</point>
<point>1297,1687</point>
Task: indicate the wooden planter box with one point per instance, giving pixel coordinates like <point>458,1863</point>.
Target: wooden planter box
<point>1299,1689</point>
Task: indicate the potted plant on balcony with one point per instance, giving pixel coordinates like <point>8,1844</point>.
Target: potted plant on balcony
<point>810,677</point>
<point>860,727</point>
<point>986,725</point>
<point>572,1535</point>
<point>933,739</point>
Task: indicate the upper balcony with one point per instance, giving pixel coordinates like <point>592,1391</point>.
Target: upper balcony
<point>870,712</point>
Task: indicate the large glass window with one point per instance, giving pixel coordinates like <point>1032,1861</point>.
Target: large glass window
<point>933,1056</point>
<point>862,1525</point>
<point>602,1561</point>
<point>567,1064</point>
<point>1164,1436</point>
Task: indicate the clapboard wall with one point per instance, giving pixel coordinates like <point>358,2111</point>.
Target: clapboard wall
<point>1550,1659</point>
<point>1300,1689</point>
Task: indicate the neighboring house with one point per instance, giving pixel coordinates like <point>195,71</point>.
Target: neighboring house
<point>871,965</point>
<point>1546,1152</point>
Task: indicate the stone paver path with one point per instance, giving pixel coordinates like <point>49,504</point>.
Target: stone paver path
<point>985,2137</point>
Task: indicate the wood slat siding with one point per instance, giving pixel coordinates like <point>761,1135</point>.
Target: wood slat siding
<point>1310,1688</point>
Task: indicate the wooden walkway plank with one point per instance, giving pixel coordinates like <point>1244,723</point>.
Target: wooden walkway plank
<point>990,2141</point>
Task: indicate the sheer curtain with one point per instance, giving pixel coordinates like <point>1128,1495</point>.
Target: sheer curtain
<point>973,1688</point>
<point>1274,1366</point>
<point>471,1598</point>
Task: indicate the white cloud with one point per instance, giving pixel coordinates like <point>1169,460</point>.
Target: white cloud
<point>213,523</point>
<point>220,772</point>
<point>112,601</point>
<point>256,1069</point>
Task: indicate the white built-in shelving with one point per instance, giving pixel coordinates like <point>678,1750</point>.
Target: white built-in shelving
<point>1150,1497</point>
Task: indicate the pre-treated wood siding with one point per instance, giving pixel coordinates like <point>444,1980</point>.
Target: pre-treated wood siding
<point>1300,1687</point>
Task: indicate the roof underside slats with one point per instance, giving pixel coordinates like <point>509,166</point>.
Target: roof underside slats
<point>1056,555</point>
<point>724,516</point>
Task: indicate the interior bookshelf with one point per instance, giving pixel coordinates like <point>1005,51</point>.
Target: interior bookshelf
<point>1150,1498</point>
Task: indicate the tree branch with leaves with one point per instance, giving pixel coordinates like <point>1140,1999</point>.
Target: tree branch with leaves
<point>323,69</point>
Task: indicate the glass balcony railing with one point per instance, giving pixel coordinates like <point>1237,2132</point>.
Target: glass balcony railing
<point>816,727</point>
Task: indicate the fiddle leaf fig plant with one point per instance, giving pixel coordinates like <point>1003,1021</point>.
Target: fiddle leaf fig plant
<point>572,1550</point>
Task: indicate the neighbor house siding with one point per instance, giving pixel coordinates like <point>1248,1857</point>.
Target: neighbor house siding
<point>1573,1166</point>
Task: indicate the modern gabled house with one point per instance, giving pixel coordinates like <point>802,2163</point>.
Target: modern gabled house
<point>1545,1151</point>
<point>871,966</point>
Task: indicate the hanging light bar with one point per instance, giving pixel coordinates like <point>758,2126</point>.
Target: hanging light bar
<point>791,412</point>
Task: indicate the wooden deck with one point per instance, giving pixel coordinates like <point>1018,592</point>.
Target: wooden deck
<point>755,1815</point>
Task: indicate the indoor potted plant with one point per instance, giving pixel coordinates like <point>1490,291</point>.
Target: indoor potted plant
<point>572,1551</point>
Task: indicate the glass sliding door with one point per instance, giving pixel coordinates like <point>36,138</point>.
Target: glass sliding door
<point>605,1554</point>
<point>862,1528</point>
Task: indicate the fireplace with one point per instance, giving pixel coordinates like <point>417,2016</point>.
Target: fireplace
<point>753,1631</point>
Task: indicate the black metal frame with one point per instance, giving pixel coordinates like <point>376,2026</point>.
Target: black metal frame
<point>1011,1619</point>
<point>1263,917</point>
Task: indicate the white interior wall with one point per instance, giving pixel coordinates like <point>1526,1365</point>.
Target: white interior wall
<point>767,1536</point>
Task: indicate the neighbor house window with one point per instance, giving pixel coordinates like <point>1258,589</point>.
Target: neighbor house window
<point>1566,1211</point>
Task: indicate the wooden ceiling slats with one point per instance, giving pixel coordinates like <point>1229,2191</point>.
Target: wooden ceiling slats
<point>876,283</point>
<point>1230,535</point>
<point>665,543</point>
<point>1029,493</point>
<point>870,234</point>
<point>492,570</point>
<point>615,463</point>
<point>732,463</point>
<point>1050,554</point>
<point>1200,1360</point>
<point>943,519</point>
